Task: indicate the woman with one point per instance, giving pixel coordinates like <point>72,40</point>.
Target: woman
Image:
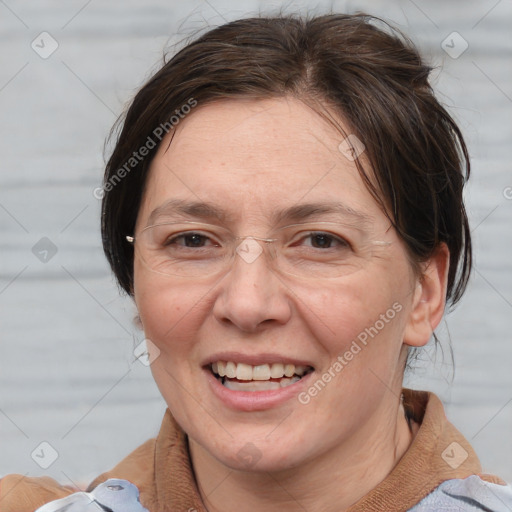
<point>284,205</point>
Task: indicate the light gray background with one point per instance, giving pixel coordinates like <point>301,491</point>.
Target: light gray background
<point>68,375</point>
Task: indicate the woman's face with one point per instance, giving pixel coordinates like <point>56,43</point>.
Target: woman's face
<point>252,167</point>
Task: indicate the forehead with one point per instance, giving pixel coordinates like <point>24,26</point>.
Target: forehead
<point>254,158</point>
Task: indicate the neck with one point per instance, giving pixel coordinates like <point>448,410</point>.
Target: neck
<point>331,482</point>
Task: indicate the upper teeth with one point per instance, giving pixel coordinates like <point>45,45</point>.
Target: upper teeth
<point>242,371</point>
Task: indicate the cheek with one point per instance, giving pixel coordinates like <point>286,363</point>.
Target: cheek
<point>167,311</point>
<point>362,321</point>
<point>339,311</point>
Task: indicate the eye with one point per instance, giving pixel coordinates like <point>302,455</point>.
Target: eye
<point>190,239</point>
<point>322,240</point>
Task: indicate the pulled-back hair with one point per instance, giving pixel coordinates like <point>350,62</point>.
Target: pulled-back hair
<point>354,67</point>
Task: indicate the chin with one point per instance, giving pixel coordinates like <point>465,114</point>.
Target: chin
<point>258,455</point>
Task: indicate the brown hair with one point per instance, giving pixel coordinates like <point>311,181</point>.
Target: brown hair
<point>354,66</point>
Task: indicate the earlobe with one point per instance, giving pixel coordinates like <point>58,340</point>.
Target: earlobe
<point>137,322</point>
<point>429,299</point>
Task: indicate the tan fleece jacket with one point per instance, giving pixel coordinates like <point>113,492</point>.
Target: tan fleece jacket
<point>161,469</point>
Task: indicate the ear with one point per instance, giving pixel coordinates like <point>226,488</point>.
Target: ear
<point>429,299</point>
<point>137,322</point>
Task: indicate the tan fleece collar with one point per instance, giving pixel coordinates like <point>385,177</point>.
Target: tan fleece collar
<point>162,471</point>
<point>437,453</point>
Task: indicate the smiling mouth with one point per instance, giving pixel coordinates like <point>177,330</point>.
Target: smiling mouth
<point>263,377</point>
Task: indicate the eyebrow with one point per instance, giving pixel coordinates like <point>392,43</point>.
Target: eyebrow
<point>209,211</point>
<point>198,209</point>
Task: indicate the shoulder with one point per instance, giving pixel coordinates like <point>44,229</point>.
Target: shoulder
<point>19,493</point>
<point>474,493</point>
<point>22,494</point>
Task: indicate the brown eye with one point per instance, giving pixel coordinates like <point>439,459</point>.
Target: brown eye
<point>325,241</point>
<point>321,241</point>
<point>194,240</point>
<point>189,240</point>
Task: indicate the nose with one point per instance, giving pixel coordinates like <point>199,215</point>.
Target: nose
<point>252,295</point>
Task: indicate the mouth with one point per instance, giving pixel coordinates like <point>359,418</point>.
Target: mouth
<point>263,377</point>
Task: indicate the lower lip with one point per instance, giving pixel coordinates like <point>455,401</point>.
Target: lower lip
<point>254,400</point>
